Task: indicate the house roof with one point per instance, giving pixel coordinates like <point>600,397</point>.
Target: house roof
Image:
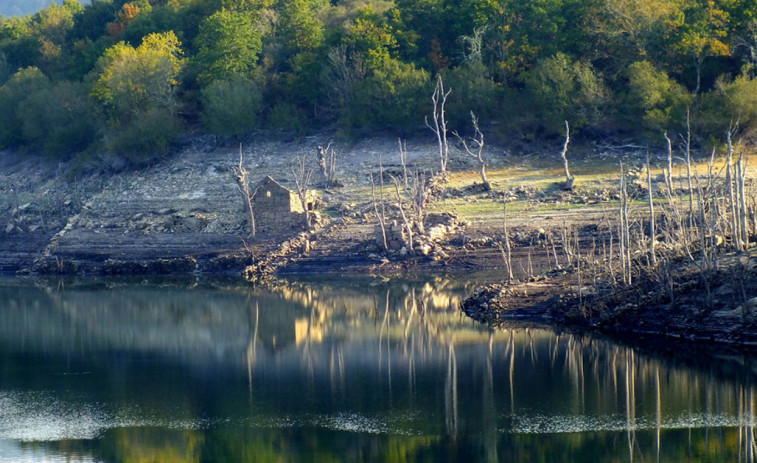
<point>268,183</point>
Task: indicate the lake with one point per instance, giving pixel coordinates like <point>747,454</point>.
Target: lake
<point>340,369</point>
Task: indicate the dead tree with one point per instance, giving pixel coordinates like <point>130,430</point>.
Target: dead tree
<point>302,176</point>
<point>243,184</point>
<point>418,188</point>
<point>327,163</point>
<point>569,179</point>
<point>506,250</point>
<point>668,173</point>
<point>733,195</point>
<point>439,126</point>
<point>652,230</point>
<point>380,212</point>
<point>478,143</point>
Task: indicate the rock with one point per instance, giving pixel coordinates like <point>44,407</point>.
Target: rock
<point>423,249</point>
<point>192,224</point>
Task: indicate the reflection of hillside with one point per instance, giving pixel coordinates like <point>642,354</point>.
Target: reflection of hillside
<point>347,357</point>
<point>216,323</point>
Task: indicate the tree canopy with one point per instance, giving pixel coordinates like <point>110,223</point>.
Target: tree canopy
<point>632,67</point>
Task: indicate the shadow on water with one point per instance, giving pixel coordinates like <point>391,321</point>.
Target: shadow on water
<point>340,369</point>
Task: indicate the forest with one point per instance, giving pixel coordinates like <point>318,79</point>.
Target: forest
<point>131,78</point>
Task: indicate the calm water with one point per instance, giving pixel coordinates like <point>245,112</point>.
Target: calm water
<point>352,370</point>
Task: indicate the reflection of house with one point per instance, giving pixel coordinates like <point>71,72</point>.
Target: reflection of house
<point>277,209</point>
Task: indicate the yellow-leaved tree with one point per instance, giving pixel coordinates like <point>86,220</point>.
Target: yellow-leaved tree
<point>137,88</point>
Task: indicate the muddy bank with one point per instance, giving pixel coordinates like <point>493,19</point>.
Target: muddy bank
<point>719,306</point>
<point>185,214</point>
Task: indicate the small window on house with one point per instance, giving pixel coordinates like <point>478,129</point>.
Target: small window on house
<point>310,206</point>
<point>267,194</point>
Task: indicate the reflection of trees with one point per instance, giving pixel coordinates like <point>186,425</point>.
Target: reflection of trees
<point>401,352</point>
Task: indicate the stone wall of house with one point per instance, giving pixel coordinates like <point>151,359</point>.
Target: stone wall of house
<point>273,214</point>
<point>395,236</point>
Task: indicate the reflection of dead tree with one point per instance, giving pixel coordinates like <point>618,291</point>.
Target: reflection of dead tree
<point>302,176</point>
<point>439,127</point>
<point>327,163</point>
<point>243,184</point>
<point>478,143</point>
<point>569,179</point>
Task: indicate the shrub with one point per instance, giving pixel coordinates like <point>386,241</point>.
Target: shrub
<point>231,107</point>
<point>25,82</point>
<point>59,119</point>
<point>654,99</point>
<point>562,89</point>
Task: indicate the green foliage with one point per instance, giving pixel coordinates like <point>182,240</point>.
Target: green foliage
<point>300,64</point>
<point>394,97</point>
<point>654,99</point>
<point>298,29</point>
<point>286,116</point>
<point>232,107</point>
<point>148,133</point>
<point>25,82</point>
<point>472,90</point>
<point>371,39</point>
<point>228,44</point>
<point>136,84</point>
<point>732,102</point>
<point>59,118</point>
<point>562,90</point>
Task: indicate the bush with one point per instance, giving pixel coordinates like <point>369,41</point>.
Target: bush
<point>59,119</point>
<point>25,82</point>
<point>654,99</point>
<point>729,102</point>
<point>287,116</point>
<point>395,96</point>
<point>231,107</point>
<point>147,135</point>
<point>565,90</point>
<point>472,90</point>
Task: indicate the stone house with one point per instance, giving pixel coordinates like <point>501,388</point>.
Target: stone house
<point>278,209</point>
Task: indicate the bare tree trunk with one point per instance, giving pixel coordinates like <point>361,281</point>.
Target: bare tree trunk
<point>569,179</point>
<point>380,214</point>
<point>668,174</point>
<point>243,184</point>
<point>741,177</point>
<point>327,163</point>
<point>406,222</point>
<point>507,251</point>
<point>478,141</point>
<point>302,176</point>
<point>439,127</point>
<point>732,198</point>
<point>688,166</point>
<point>652,231</point>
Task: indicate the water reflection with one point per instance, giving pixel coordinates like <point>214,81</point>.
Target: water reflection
<point>355,369</point>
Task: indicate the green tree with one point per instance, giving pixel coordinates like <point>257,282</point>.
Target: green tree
<point>654,99</point>
<point>25,82</point>
<point>298,30</point>
<point>59,118</point>
<point>562,89</point>
<point>137,87</point>
<point>228,44</point>
<point>700,32</point>
<point>394,96</point>
<point>233,106</point>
